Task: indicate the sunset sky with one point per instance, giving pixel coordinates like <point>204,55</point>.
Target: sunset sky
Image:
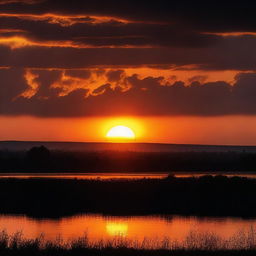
<point>172,71</point>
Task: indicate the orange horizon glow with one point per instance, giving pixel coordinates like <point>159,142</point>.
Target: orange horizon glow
<point>222,130</point>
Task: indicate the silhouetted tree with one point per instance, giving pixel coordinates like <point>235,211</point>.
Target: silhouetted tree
<point>38,156</point>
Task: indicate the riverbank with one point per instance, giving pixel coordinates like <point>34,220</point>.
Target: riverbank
<point>198,196</point>
<point>40,159</point>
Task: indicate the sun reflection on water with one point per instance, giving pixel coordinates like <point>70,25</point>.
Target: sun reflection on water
<point>117,229</point>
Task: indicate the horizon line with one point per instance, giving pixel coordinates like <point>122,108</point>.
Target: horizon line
<point>133,142</point>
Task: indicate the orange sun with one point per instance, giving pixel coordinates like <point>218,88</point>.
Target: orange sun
<point>121,132</point>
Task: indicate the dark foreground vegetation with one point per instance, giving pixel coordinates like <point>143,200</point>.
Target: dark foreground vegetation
<point>204,196</point>
<point>194,244</point>
<point>40,159</point>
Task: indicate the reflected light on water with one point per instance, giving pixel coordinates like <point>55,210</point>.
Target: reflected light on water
<point>98,227</point>
<point>117,229</point>
<point>116,175</point>
<point>84,176</point>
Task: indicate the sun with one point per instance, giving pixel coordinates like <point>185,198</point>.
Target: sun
<point>121,132</point>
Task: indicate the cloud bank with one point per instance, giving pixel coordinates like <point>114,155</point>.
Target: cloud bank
<point>69,58</point>
<point>99,92</point>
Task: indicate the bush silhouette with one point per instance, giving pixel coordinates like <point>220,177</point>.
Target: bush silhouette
<point>38,156</point>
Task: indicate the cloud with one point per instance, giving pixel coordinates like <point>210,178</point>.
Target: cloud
<point>7,2</point>
<point>68,58</point>
<point>231,54</point>
<point>61,34</point>
<point>58,94</point>
<point>198,15</point>
<point>83,24</point>
<point>97,31</point>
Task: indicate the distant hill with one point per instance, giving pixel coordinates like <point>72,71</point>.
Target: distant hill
<point>137,147</point>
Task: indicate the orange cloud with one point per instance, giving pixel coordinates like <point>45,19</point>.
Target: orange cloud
<point>11,30</point>
<point>73,79</point>
<point>114,92</point>
<point>15,42</point>
<point>66,20</point>
<point>96,83</point>
<point>236,33</point>
<point>33,85</point>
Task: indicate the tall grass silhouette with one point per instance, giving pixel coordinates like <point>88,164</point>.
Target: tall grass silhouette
<point>195,243</point>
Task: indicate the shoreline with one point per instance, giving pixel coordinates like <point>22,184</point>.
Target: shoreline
<point>198,196</point>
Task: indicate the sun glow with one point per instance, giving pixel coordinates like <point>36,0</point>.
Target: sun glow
<point>117,229</point>
<point>112,129</point>
<point>121,132</point>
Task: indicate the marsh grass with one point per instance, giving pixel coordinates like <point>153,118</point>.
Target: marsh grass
<point>195,243</point>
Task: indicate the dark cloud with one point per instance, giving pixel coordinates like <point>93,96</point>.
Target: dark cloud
<point>111,33</point>
<point>199,78</point>
<point>115,75</point>
<point>66,58</point>
<point>148,96</point>
<point>231,54</point>
<point>12,84</point>
<point>7,2</point>
<point>157,33</point>
<point>79,73</point>
<point>207,15</point>
<point>164,23</point>
<point>101,89</point>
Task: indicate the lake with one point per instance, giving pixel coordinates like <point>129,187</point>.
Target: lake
<point>121,175</point>
<point>134,228</point>
<point>99,227</point>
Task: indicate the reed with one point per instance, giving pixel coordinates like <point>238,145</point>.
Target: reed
<point>195,243</point>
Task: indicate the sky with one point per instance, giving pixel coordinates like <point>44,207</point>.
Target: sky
<point>173,71</point>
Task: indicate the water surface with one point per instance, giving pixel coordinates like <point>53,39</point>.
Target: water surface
<point>98,227</point>
<point>107,176</point>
